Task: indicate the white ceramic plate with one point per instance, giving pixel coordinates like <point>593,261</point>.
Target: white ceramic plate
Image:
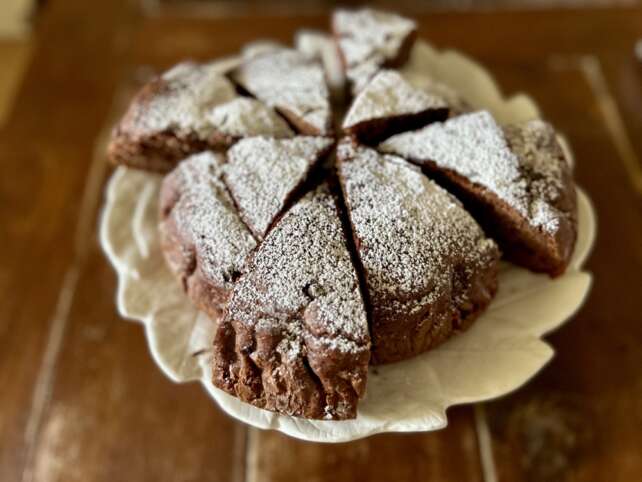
<point>501,351</point>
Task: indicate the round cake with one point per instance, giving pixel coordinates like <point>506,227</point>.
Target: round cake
<point>329,212</point>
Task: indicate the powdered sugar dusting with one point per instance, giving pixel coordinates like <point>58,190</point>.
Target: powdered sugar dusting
<point>261,174</point>
<point>181,97</point>
<point>369,39</point>
<point>207,214</point>
<point>387,95</point>
<point>522,166</point>
<point>301,282</point>
<point>197,99</point>
<point>411,234</point>
<point>290,82</point>
<point>246,117</point>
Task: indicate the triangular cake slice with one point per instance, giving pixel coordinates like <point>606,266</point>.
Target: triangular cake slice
<point>295,338</point>
<point>204,240</point>
<point>515,180</point>
<point>428,267</point>
<point>263,173</point>
<point>369,40</point>
<point>190,108</point>
<point>291,83</point>
<point>387,105</point>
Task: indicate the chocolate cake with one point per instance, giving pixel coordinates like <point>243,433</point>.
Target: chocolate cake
<point>369,40</point>
<point>428,267</point>
<point>515,180</point>
<point>388,105</point>
<point>314,262</point>
<point>295,336</point>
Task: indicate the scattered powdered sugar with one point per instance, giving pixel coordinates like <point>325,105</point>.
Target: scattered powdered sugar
<point>369,39</point>
<point>262,173</point>
<point>387,95</point>
<point>522,165</point>
<point>247,117</point>
<point>301,282</point>
<point>206,212</point>
<point>411,234</point>
<point>290,82</point>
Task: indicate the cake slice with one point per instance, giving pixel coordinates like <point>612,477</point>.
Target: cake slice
<point>387,105</point>
<point>190,108</point>
<point>515,180</point>
<point>369,40</point>
<point>295,338</point>
<point>203,239</point>
<point>263,173</point>
<point>291,83</point>
<point>428,267</point>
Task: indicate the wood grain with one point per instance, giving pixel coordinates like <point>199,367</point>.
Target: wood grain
<point>580,419</point>
<point>449,455</point>
<point>45,150</point>
<point>95,407</point>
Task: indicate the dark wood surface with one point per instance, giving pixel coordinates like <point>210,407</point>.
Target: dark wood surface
<point>80,397</point>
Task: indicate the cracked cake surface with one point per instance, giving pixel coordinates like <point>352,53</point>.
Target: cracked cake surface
<point>295,337</point>
<point>428,267</point>
<point>514,178</point>
<point>262,173</point>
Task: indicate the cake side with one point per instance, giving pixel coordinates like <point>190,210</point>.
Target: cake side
<point>295,337</point>
<point>428,267</point>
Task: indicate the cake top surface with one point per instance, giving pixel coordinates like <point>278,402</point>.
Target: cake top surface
<point>388,94</point>
<point>198,99</point>
<point>369,39</point>
<point>262,173</point>
<point>290,82</point>
<point>247,117</point>
<point>522,164</point>
<point>368,33</point>
<point>205,211</point>
<point>301,281</point>
<point>177,100</point>
<point>411,233</point>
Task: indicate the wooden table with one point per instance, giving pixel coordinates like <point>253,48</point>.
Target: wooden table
<point>82,400</point>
